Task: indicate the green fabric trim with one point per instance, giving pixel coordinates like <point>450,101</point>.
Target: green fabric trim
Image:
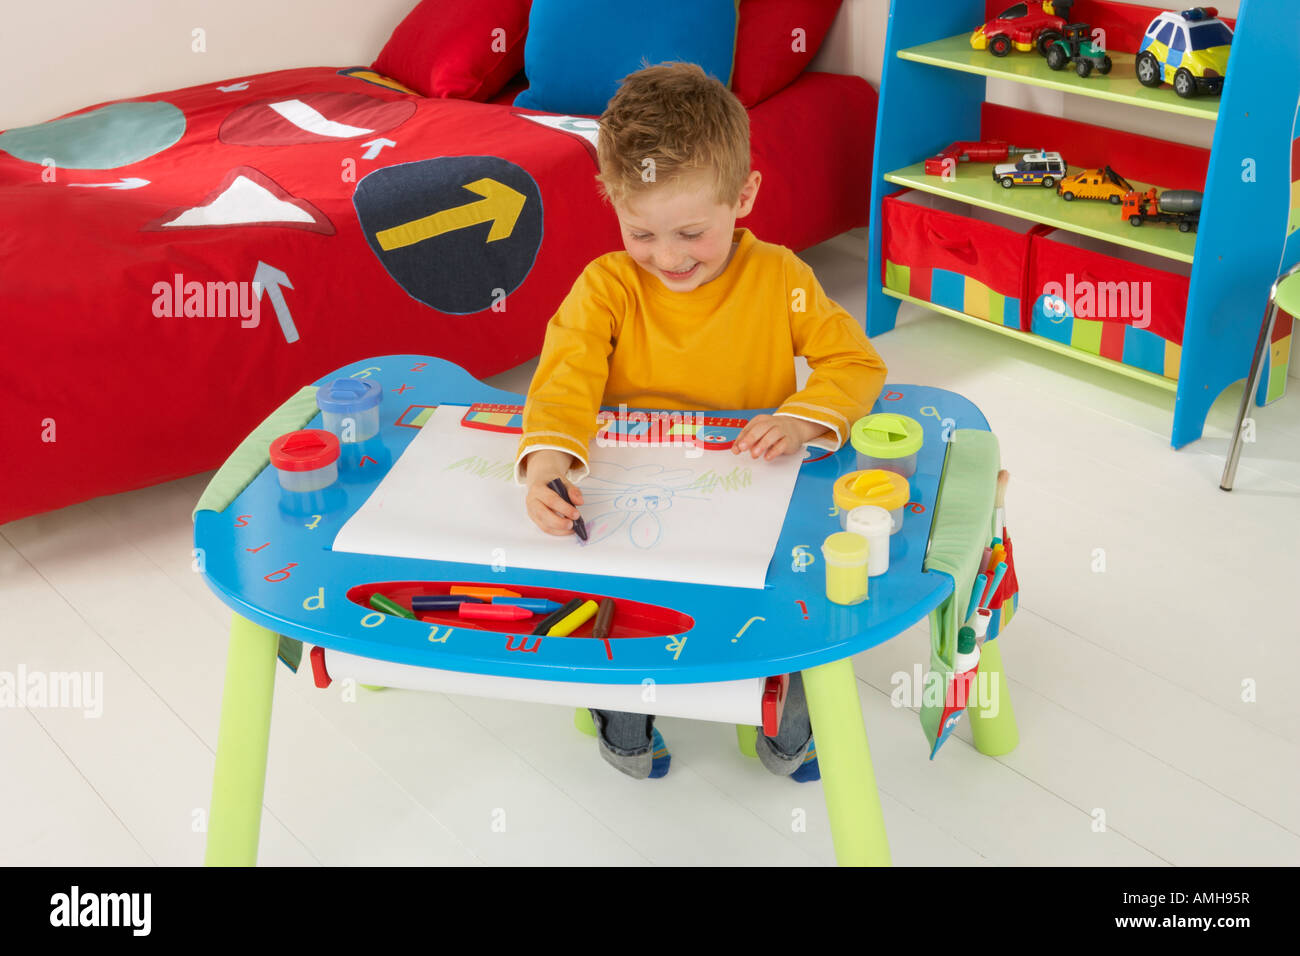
<point>962,528</point>
<point>254,452</point>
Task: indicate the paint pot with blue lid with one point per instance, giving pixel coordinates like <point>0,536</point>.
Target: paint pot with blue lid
<point>350,408</point>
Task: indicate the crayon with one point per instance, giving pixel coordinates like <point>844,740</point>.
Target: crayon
<point>557,486</point>
<point>536,605</point>
<point>482,591</point>
<point>604,619</point>
<point>442,602</point>
<point>381,603</point>
<point>571,622</point>
<point>494,612</point>
<point>559,615</point>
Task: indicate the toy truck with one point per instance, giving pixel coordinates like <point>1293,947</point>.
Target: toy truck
<point>1104,184</point>
<point>1076,47</point>
<point>1180,206</point>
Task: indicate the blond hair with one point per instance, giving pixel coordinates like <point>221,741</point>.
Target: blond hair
<point>667,122</point>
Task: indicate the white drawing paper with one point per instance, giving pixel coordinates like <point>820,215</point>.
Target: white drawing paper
<point>665,513</point>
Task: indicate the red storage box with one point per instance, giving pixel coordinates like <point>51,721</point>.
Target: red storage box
<point>1081,293</point>
<point>964,258</point>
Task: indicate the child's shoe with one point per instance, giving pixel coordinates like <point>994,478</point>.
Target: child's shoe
<point>638,762</point>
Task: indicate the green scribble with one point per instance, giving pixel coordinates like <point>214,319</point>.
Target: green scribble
<point>485,467</point>
<point>709,482</point>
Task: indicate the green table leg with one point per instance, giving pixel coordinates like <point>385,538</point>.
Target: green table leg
<point>852,801</point>
<point>239,780</point>
<point>747,740</point>
<point>992,721</point>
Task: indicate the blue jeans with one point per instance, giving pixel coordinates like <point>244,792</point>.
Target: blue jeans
<point>624,737</point>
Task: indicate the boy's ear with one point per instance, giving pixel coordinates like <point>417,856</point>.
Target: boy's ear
<point>749,193</point>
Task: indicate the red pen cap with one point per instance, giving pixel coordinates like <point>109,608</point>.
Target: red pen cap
<point>494,612</point>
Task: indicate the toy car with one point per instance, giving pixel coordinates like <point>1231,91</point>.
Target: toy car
<point>1102,183</point>
<point>1032,25</point>
<point>1076,47</point>
<point>1034,169</point>
<point>1188,50</point>
<point>1181,206</point>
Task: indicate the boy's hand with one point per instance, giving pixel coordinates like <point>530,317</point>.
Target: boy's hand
<point>548,510</point>
<point>768,436</point>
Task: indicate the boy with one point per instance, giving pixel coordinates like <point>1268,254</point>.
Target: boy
<point>695,314</point>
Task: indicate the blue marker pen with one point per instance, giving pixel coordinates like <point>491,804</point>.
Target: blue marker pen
<point>536,605</point>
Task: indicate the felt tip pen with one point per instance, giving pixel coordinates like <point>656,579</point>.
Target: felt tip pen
<point>557,486</point>
<point>604,620</point>
<point>494,612</point>
<point>993,585</point>
<point>555,616</point>
<point>571,622</point>
<point>536,605</point>
<point>483,591</point>
<point>442,602</point>
<point>386,604</point>
<point>975,594</point>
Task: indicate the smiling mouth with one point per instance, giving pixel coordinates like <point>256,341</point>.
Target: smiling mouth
<point>680,275</point>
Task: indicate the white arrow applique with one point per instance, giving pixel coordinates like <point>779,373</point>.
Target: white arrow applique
<point>132,183</point>
<point>305,117</point>
<point>375,146</point>
<point>268,279</point>
<point>232,87</point>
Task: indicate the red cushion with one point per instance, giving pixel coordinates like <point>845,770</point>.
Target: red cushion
<point>448,48</point>
<point>765,59</point>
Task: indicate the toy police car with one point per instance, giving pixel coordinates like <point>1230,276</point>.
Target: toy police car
<point>1032,169</point>
<point>1188,50</point>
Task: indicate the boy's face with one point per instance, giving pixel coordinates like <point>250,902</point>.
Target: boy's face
<point>680,234</point>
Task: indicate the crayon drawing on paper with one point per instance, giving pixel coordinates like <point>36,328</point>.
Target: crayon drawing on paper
<point>663,513</point>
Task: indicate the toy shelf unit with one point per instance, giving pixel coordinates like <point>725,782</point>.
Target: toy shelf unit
<point>1137,285</point>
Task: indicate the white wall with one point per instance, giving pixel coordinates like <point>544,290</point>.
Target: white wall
<point>89,51</point>
<point>58,57</point>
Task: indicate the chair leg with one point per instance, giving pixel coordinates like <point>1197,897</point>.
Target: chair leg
<point>848,781</point>
<point>239,780</point>
<point>1252,384</point>
<point>992,721</point>
<point>582,720</point>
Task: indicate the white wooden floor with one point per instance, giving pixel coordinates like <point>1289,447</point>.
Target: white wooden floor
<point>1127,683</point>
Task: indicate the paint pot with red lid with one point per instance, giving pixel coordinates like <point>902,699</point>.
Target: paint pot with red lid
<point>306,460</point>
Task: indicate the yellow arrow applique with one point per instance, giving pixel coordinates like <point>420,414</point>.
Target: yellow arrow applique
<point>500,205</point>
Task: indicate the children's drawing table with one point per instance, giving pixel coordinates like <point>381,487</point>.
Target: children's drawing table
<point>268,557</point>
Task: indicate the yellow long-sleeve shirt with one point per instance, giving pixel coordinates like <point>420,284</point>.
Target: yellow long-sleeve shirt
<point>621,337</point>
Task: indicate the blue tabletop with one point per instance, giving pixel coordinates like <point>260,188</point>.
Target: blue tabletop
<point>267,555</point>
